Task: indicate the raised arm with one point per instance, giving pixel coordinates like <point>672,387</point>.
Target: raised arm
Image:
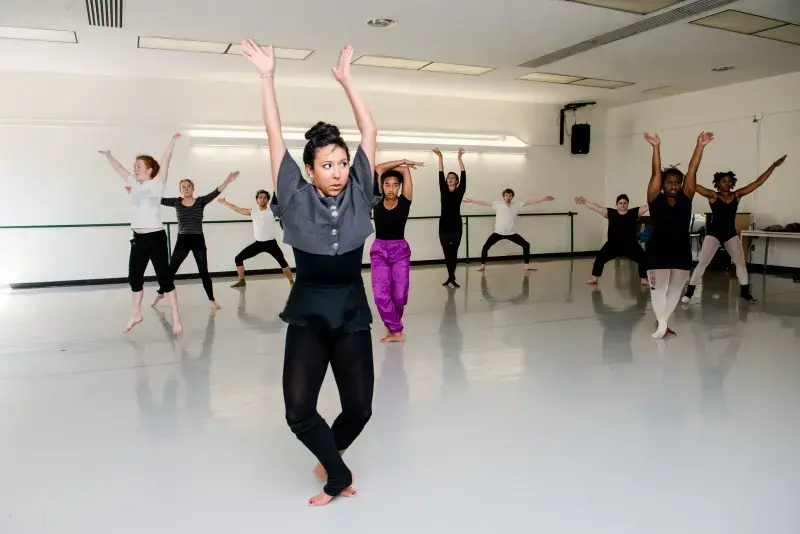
<point>167,158</point>
<point>536,200</point>
<point>241,211</point>
<point>654,186</point>
<point>690,181</point>
<point>205,199</point>
<point>408,184</point>
<point>749,188</point>
<point>369,132</point>
<point>381,168</point>
<point>644,209</point>
<point>461,160</point>
<point>441,159</point>
<point>116,165</point>
<point>478,202</point>
<point>264,62</point>
<point>603,212</point>
<point>705,192</point>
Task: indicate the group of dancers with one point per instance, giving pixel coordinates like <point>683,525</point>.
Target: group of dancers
<point>327,219</point>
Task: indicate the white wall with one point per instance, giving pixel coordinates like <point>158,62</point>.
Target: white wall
<point>52,125</point>
<point>741,145</point>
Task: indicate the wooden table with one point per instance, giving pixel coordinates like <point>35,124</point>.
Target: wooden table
<point>760,234</point>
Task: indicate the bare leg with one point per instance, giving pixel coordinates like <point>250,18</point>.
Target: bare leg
<point>214,305</point>
<point>394,337</point>
<point>287,272</point>
<point>592,281</point>
<point>177,325</point>
<point>481,267</point>
<point>136,310</point>
<point>159,296</point>
<point>240,271</point>
<point>529,267</point>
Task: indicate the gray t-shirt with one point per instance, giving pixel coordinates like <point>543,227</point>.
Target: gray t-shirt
<point>325,225</point>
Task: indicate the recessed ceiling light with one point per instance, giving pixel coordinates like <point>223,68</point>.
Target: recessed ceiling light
<point>550,78</point>
<point>381,23</point>
<point>280,53</point>
<point>390,62</point>
<point>180,45</point>
<point>601,84</point>
<point>723,68</point>
<point>640,7</point>
<point>739,22</point>
<point>451,68</point>
<point>788,34</point>
<point>31,34</point>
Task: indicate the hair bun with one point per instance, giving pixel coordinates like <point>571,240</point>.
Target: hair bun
<point>322,129</point>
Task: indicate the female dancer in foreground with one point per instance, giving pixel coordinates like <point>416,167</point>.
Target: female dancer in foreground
<point>622,240</point>
<point>189,211</point>
<point>149,243</point>
<point>451,190</point>
<point>264,232</point>
<point>669,250</point>
<point>326,222</point>
<point>390,255</point>
<point>722,228</point>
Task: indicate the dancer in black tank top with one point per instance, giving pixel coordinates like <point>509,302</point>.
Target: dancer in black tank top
<point>451,191</point>
<point>721,229</point>
<point>669,251</point>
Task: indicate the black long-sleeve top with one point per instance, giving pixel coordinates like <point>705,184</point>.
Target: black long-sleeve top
<point>450,219</point>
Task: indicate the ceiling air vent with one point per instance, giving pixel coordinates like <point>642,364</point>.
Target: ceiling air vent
<point>104,13</point>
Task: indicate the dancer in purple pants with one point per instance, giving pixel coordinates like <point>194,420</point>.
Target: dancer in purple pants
<point>390,255</point>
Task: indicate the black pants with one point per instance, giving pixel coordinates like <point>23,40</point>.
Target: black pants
<point>514,238</point>
<point>307,354</point>
<point>257,247</point>
<point>145,248</point>
<point>610,250</point>
<point>450,244</point>
<point>196,244</point>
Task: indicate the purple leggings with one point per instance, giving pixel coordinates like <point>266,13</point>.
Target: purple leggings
<point>391,262</point>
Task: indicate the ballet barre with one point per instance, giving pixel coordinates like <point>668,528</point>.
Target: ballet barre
<point>760,234</point>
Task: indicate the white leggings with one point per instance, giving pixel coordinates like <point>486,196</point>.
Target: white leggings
<point>710,247</point>
<point>666,288</point>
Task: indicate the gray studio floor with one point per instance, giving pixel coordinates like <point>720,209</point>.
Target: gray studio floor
<point>518,404</point>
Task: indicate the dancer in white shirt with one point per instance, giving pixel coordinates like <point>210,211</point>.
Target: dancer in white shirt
<point>505,226</point>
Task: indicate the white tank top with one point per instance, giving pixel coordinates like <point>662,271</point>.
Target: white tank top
<point>263,224</point>
<point>146,203</point>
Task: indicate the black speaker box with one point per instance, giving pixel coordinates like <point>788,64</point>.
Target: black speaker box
<point>581,138</point>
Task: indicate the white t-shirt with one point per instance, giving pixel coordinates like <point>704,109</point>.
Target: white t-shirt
<point>505,222</point>
<point>146,203</point>
<point>263,224</point>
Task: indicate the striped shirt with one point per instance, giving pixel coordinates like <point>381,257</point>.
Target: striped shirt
<point>190,218</point>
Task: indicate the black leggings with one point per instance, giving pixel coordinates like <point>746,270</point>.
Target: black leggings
<point>257,247</point>
<point>307,354</point>
<point>196,244</point>
<point>145,248</point>
<point>610,250</point>
<point>514,238</point>
<point>450,244</point>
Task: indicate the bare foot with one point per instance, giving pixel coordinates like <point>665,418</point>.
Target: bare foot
<point>481,268</point>
<point>215,306</point>
<point>645,282</point>
<point>529,267</point>
<point>394,338</point>
<point>320,474</point>
<point>133,322</point>
<point>592,281</point>
<point>177,327</point>
<point>322,499</point>
<point>159,296</point>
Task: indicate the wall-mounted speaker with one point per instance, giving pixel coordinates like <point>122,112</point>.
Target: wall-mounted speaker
<point>581,138</point>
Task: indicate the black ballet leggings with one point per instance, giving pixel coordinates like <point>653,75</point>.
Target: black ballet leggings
<point>257,247</point>
<point>514,238</point>
<point>450,244</point>
<point>610,250</point>
<point>307,355</point>
<point>146,248</point>
<point>196,244</point>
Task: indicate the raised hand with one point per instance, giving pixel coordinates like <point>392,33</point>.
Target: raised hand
<point>342,70</point>
<point>221,200</point>
<point>779,162</point>
<point>414,164</point>
<point>461,152</point>
<point>437,152</point>
<point>549,198</point>
<point>232,176</point>
<point>262,60</point>
<point>128,188</point>
<point>580,200</point>
<point>704,138</point>
<point>108,153</point>
<point>652,139</point>
<point>176,137</point>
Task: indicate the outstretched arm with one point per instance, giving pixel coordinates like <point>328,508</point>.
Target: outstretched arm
<point>369,132</point>
<point>644,209</point>
<point>654,186</point>
<point>749,188</point>
<point>167,159</point>
<point>705,192</point>
<point>603,212</point>
<point>536,200</point>
<point>241,211</point>
<point>690,182</point>
<point>478,202</point>
<point>264,62</point>
<point>116,165</point>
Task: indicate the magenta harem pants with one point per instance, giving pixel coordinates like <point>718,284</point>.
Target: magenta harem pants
<point>391,262</point>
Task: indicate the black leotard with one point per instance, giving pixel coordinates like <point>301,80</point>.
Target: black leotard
<point>669,246</point>
<point>723,219</point>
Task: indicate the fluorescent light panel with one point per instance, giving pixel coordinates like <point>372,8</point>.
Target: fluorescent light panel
<point>602,84</point>
<point>181,45</point>
<point>280,53</point>
<point>788,34</point>
<point>640,7</point>
<point>663,90</point>
<point>739,22</point>
<point>550,78</point>
<point>451,68</point>
<point>390,62</point>
<point>32,34</point>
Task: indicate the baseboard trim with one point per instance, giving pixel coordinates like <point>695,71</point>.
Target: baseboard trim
<point>260,272</point>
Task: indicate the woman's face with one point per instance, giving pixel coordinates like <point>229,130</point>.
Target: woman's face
<point>391,188</point>
<point>726,184</point>
<point>187,189</point>
<point>622,206</point>
<point>672,185</point>
<point>452,181</point>
<point>141,171</point>
<point>331,170</point>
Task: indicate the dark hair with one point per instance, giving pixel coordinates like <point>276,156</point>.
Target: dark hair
<point>259,192</point>
<point>508,190</point>
<point>320,135</point>
<point>675,171</point>
<point>151,163</point>
<point>718,176</point>
<point>455,175</point>
<point>624,197</point>
<point>392,174</point>
<point>185,180</point>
